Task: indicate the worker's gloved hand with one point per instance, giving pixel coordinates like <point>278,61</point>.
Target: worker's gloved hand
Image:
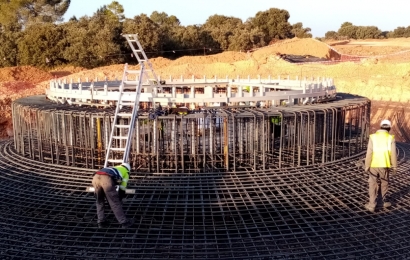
<point>121,194</point>
<point>393,171</point>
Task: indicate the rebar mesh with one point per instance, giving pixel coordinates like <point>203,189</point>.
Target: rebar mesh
<point>309,212</point>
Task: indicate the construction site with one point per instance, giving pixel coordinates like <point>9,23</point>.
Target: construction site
<point>255,155</point>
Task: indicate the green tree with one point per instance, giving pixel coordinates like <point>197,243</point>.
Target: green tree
<point>26,12</point>
<point>117,10</point>
<point>348,31</point>
<point>164,20</point>
<point>331,35</point>
<point>148,34</point>
<point>273,23</point>
<point>168,28</point>
<point>244,39</point>
<point>400,32</point>
<point>94,41</point>
<point>190,40</point>
<point>300,32</point>
<point>8,47</point>
<point>368,32</point>
<point>193,40</point>
<point>221,28</point>
<point>42,45</point>
<point>345,24</point>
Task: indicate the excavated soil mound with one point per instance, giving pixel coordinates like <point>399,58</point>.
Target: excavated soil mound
<point>297,46</point>
<point>21,81</point>
<point>16,82</point>
<point>9,91</point>
<point>64,71</point>
<point>24,73</point>
<point>363,50</point>
<point>225,57</point>
<point>391,47</point>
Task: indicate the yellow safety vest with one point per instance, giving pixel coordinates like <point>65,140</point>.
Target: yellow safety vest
<point>124,174</point>
<point>276,120</point>
<point>381,149</point>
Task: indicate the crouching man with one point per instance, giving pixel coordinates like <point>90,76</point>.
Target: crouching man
<point>104,183</point>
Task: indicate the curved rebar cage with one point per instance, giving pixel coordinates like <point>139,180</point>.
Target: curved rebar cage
<point>206,140</point>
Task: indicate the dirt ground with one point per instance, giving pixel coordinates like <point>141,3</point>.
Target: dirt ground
<point>372,47</point>
<point>384,76</point>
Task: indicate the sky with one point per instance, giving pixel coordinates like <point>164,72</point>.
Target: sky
<point>319,15</point>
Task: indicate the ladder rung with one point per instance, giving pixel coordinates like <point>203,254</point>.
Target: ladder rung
<point>146,70</point>
<point>115,160</point>
<point>130,82</point>
<point>122,126</point>
<point>117,149</point>
<point>125,114</point>
<point>127,103</point>
<point>120,137</point>
<point>133,71</point>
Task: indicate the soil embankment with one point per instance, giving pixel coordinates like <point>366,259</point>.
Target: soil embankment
<point>383,79</point>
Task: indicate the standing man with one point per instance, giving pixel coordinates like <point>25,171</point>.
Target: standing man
<point>381,161</point>
<point>104,182</point>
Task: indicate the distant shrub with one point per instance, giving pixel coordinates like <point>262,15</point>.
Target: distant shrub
<point>368,32</point>
<point>331,35</point>
<point>400,32</point>
<point>349,31</point>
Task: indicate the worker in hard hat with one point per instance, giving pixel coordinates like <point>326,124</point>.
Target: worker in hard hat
<point>105,182</point>
<point>381,162</point>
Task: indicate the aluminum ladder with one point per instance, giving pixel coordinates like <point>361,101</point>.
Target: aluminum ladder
<point>139,53</point>
<point>123,124</point>
<point>124,121</point>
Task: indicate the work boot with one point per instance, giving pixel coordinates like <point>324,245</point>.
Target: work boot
<point>128,223</point>
<point>103,224</point>
<point>370,209</point>
<point>386,204</point>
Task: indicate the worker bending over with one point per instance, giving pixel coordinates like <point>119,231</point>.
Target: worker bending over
<point>104,182</point>
<point>381,161</point>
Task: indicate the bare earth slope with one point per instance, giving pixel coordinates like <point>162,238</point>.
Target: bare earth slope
<point>385,79</point>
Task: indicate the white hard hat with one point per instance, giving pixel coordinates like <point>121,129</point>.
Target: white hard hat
<point>126,165</point>
<point>385,122</point>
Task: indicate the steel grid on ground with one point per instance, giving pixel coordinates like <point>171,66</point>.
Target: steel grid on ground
<point>310,212</point>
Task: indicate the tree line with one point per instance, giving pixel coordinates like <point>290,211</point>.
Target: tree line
<point>35,36</point>
<point>349,31</point>
<point>32,33</point>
